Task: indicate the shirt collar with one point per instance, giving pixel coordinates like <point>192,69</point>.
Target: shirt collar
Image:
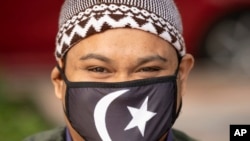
<point>68,137</point>
<point>170,136</point>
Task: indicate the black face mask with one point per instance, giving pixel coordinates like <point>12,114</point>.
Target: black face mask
<point>138,110</point>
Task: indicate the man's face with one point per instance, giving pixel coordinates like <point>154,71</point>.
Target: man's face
<point>121,55</point>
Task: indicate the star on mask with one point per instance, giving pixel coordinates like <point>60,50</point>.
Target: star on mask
<point>140,117</point>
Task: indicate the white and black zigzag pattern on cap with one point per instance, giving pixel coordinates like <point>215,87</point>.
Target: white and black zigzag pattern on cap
<point>104,16</point>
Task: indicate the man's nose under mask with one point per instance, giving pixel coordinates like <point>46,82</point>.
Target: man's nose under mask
<point>138,110</point>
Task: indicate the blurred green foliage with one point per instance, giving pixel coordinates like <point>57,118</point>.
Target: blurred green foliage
<point>18,118</point>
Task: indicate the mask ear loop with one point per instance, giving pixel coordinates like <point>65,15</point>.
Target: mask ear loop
<point>62,74</point>
<point>176,114</point>
<point>178,65</point>
<point>67,82</point>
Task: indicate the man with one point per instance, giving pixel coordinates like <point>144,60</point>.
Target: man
<point>122,71</point>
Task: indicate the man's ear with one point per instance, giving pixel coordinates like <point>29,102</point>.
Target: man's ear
<point>57,81</point>
<point>185,67</point>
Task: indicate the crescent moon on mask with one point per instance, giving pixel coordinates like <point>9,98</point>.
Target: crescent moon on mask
<point>100,113</point>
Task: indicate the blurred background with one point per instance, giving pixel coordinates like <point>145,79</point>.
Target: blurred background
<point>217,33</point>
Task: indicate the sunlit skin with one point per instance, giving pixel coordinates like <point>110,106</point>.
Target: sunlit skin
<point>118,55</point>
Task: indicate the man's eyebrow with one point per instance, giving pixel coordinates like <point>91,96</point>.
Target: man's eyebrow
<point>150,59</point>
<point>95,56</point>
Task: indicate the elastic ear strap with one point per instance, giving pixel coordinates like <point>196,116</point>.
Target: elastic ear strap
<point>177,113</point>
<point>178,65</point>
<point>66,81</point>
<point>176,73</point>
<point>59,68</point>
<point>179,110</point>
<point>62,74</point>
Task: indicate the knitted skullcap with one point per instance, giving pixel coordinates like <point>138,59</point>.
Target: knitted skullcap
<point>82,18</point>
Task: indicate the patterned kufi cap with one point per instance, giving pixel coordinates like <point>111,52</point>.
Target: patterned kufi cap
<point>82,18</point>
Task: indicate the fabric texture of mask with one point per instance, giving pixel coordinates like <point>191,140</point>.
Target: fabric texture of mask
<point>138,110</point>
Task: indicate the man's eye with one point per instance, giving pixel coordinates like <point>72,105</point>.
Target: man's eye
<point>149,69</point>
<point>98,69</point>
